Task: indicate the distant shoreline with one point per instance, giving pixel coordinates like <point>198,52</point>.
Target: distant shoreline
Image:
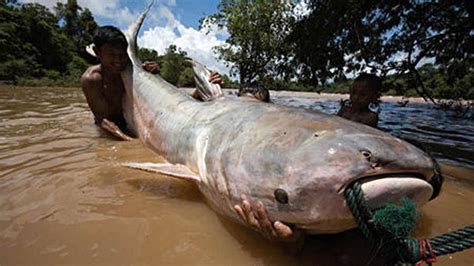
<point>344,96</point>
<point>334,96</point>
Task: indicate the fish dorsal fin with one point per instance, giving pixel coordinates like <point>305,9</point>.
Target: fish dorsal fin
<point>207,91</point>
<point>132,33</point>
<point>174,170</point>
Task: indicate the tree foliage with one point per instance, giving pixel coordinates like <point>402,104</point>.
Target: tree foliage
<point>340,38</point>
<point>35,44</point>
<point>174,69</point>
<point>257,30</point>
<point>41,47</point>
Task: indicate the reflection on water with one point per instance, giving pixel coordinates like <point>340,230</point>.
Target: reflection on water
<point>64,199</point>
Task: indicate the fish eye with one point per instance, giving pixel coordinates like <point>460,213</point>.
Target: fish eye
<point>281,196</point>
<point>367,154</point>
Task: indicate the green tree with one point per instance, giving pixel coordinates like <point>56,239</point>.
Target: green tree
<point>71,17</point>
<point>340,37</point>
<point>54,49</point>
<point>86,27</point>
<point>255,48</point>
<point>146,54</point>
<point>172,64</point>
<point>78,23</point>
<point>33,45</point>
<point>17,56</point>
<point>186,78</point>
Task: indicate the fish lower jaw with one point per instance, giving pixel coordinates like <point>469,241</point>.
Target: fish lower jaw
<point>390,190</point>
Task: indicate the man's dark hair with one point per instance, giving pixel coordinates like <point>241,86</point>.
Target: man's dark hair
<point>246,89</point>
<point>258,92</point>
<point>109,34</point>
<point>373,81</point>
<point>262,94</point>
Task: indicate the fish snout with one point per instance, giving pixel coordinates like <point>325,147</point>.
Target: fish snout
<point>423,167</point>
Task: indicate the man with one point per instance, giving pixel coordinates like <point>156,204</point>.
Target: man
<point>102,84</point>
<point>364,91</point>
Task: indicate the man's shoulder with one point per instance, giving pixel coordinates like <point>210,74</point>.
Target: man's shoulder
<point>92,75</point>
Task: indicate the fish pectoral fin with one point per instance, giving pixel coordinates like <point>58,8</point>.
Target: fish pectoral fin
<point>174,170</point>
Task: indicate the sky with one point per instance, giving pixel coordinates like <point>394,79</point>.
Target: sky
<point>169,22</point>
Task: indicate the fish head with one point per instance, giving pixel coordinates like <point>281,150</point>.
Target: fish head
<point>305,186</point>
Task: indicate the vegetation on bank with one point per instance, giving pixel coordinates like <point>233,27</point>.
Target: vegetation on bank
<point>270,46</point>
<point>40,47</point>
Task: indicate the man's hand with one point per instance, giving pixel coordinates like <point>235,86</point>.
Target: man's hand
<point>257,218</point>
<point>215,78</point>
<point>113,129</point>
<point>151,67</point>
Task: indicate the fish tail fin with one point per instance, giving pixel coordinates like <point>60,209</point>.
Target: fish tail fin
<point>207,91</point>
<point>132,34</point>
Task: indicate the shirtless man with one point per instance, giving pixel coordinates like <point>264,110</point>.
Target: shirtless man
<point>102,84</point>
<point>364,91</point>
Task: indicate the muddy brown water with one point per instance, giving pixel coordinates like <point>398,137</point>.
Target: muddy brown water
<point>65,199</point>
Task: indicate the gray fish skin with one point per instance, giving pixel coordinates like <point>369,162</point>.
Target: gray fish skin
<point>246,149</point>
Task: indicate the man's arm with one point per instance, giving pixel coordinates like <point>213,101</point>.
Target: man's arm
<point>91,86</point>
<point>152,67</point>
<point>342,111</point>
<point>113,129</point>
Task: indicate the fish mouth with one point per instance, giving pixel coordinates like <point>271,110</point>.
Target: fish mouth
<point>380,190</point>
<point>390,189</point>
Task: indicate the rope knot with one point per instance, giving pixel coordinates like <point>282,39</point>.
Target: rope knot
<point>426,252</point>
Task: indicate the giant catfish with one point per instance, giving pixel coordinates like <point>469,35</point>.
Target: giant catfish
<point>234,148</point>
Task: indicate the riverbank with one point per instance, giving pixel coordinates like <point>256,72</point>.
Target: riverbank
<point>331,96</point>
<point>289,94</point>
<point>337,96</point>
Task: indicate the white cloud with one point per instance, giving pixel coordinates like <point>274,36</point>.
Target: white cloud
<point>109,9</point>
<point>196,43</point>
<point>47,3</point>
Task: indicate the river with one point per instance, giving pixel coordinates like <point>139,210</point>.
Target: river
<point>65,199</point>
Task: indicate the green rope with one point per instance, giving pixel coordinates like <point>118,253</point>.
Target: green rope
<point>453,241</point>
<point>353,197</point>
<point>392,224</point>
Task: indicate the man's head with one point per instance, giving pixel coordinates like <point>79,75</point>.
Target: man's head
<point>366,89</point>
<point>260,93</point>
<point>111,48</point>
